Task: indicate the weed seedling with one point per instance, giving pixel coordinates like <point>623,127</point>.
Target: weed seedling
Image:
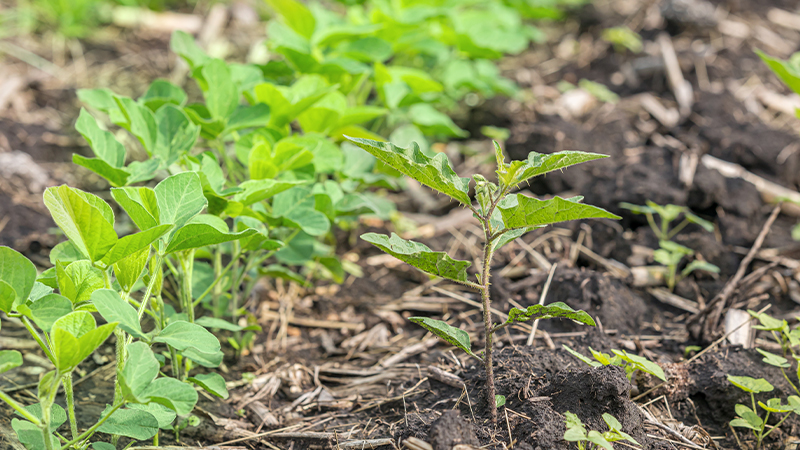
<point>576,432</point>
<point>503,217</point>
<point>670,254</point>
<point>749,418</point>
<point>621,358</point>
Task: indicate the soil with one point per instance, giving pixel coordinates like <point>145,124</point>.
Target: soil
<point>339,366</point>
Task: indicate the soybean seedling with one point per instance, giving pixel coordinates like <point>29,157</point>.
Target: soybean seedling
<point>787,338</point>
<point>670,254</point>
<point>576,432</point>
<point>503,217</point>
<point>631,363</point>
<point>749,418</point>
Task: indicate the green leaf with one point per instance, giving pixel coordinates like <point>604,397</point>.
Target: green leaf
<point>637,209</point>
<point>551,311</point>
<point>129,269</point>
<point>141,368</point>
<point>499,400</point>
<point>175,395</point>
<point>433,122</point>
<point>180,197</point>
<point>751,385</point>
<point>103,446</point>
<point>249,117</point>
<point>580,356</point>
<point>785,71</point>
<point>17,276</point>
<point>184,45</point>
<point>212,383</point>
<point>519,211</point>
<point>103,143</point>
<point>9,359</point>
<point>162,92</point>
<point>132,423</point>
<point>196,235</point>
<point>296,15</point>
<point>83,218</point>
<point>297,205</point>
<point>446,332</point>
<point>773,405</point>
<point>205,359</point>
<point>539,164</point>
<point>183,335</point>
<point>30,435</point>
<point>576,432</point>
<point>75,337</point>
<point>176,134</point>
<point>420,256</point>
<point>163,415</point>
<point>768,323</point>
<point>708,226</point>
<point>699,265</point>
<point>48,309</point>
<point>78,280</point>
<point>435,172</point>
<point>139,120</point>
<point>141,205</point>
<point>220,92</point>
<point>750,417</point>
<point>114,309</point>
<point>254,191</point>
<point>133,243</point>
<point>641,363</point>
<point>596,438</point>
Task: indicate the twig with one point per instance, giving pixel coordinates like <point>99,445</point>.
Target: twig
<point>541,302</point>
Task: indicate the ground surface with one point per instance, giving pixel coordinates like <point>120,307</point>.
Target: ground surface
<point>339,366</point>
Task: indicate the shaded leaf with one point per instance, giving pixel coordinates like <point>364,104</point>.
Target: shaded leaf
<point>420,256</point>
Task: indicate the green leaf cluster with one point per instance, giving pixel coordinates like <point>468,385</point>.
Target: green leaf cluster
<point>628,361</point>
<point>576,432</point>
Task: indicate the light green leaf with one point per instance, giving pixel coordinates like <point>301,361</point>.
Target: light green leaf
<point>81,218</point>
<point>420,256</point>
<point>176,134</point>
<point>163,415</point>
<point>17,276</point>
<point>78,280</point>
<point>576,432</point>
<point>220,92</point>
<point>255,191</point>
<point>436,172</point>
<point>162,92</point>
<point>30,435</point>
<point>699,265</point>
<point>433,122</point>
<point>297,205</point>
<point>750,417</point>
<point>48,309</point>
<point>596,438</point>
<point>183,335</point>
<point>296,15</point>
<point>641,363</point>
<point>133,243</point>
<point>114,309</point>
<point>752,385</point>
<point>768,323</point>
<point>75,337</point>
<point>249,117</point>
<point>132,423</point>
<point>581,357</point>
<point>196,235</point>
<point>175,395</point>
<point>129,269</point>
<point>539,164</point>
<point>141,368</point>
<point>784,70</point>
<point>180,197</point>
<point>499,400</point>
<point>519,211</point>
<point>212,383</point>
<point>205,359</point>
<point>141,205</point>
<point>773,405</point>
<point>9,359</point>
<point>184,45</point>
<point>551,311</point>
<point>103,143</point>
<point>446,332</point>
<point>139,120</point>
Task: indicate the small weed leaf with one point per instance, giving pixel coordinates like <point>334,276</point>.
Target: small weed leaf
<point>17,277</point>
<point>84,218</point>
<point>9,359</point>
<point>141,368</point>
<point>691,217</point>
<point>132,423</point>
<point>751,385</point>
<point>446,332</point>
<point>553,310</point>
<point>641,363</point>
<point>539,164</point>
<point>212,383</point>
<point>115,309</point>
<point>768,323</point>
<point>499,400</point>
<point>773,359</point>
<point>436,172</point>
<point>420,256</point>
<point>637,209</point>
<point>699,265</point>
<point>675,247</point>
<point>519,211</point>
<point>581,357</point>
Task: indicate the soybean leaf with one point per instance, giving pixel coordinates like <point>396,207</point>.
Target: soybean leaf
<point>129,269</point>
<point>78,280</point>
<point>205,359</point>
<point>175,395</point>
<point>103,446</point>
<point>641,363</point>
<point>297,205</point>
<point>141,368</point>
<point>180,197</point>
<point>204,230</point>
<point>785,71</point>
<point>499,400</point>
<point>749,417</point>
<point>420,256</point>
<point>435,172</point>
<point>47,310</point>
<point>576,432</point>
<point>9,359</point>
<point>162,92</point>
<point>184,45</point>
<point>519,211</point>
<point>219,90</point>
<point>773,405</point>
<point>115,309</point>
<point>110,153</point>
<point>254,191</point>
<point>751,385</point>
<point>553,310</point>
<point>768,323</point>
<point>132,423</point>
<point>139,120</point>
<point>183,335</point>
<point>213,322</point>
<point>296,15</point>
<point>249,116</point>
<point>83,219</point>
<point>212,383</point>
<point>133,243</point>
<point>637,209</point>
<point>163,415</point>
<point>141,204</point>
<point>596,438</point>
<point>446,332</point>
<point>75,337</point>
<point>17,277</point>
<point>176,134</point>
<point>433,122</point>
<point>773,359</point>
<point>30,435</point>
<point>65,252</point>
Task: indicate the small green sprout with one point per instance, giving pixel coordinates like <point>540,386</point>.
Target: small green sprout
<point>670,254</point>
<point>787,338</point>
<point>503,216</point>
<point>623,38</point>
<point>576,432</point>
<point>748,417</point>
<point>630,362</point>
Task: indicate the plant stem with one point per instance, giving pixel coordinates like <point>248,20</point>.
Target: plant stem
<point>235,290</point>
<point>777,425</point>
<point>19,408</point>
<point>70,396</point>
<point>187,268</point>
<point>487,320</point>
<point>38,339</point>
<point>91,430</point>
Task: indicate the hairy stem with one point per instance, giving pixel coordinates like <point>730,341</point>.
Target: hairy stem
<point>91,430</point>
<point>487,320</point>
<point>19,408</point>
<point>70,396</point>
<point>38,339</point>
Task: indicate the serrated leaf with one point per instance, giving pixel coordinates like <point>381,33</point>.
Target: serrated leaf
<point>9,359</point>
<point>446,332</point>
<point>141,368</point>
<point>114,309</point>
<point>180,197</point>
<point>539,164</point>
<point>212,383</point>
<point>17,277</point>
<point>132,423</point>
<point>553,310</point>
<point>420,256</point>
<point>519,211</point>
<point>436,172</point>
<point>751,385</point>
<point>83,219</point>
